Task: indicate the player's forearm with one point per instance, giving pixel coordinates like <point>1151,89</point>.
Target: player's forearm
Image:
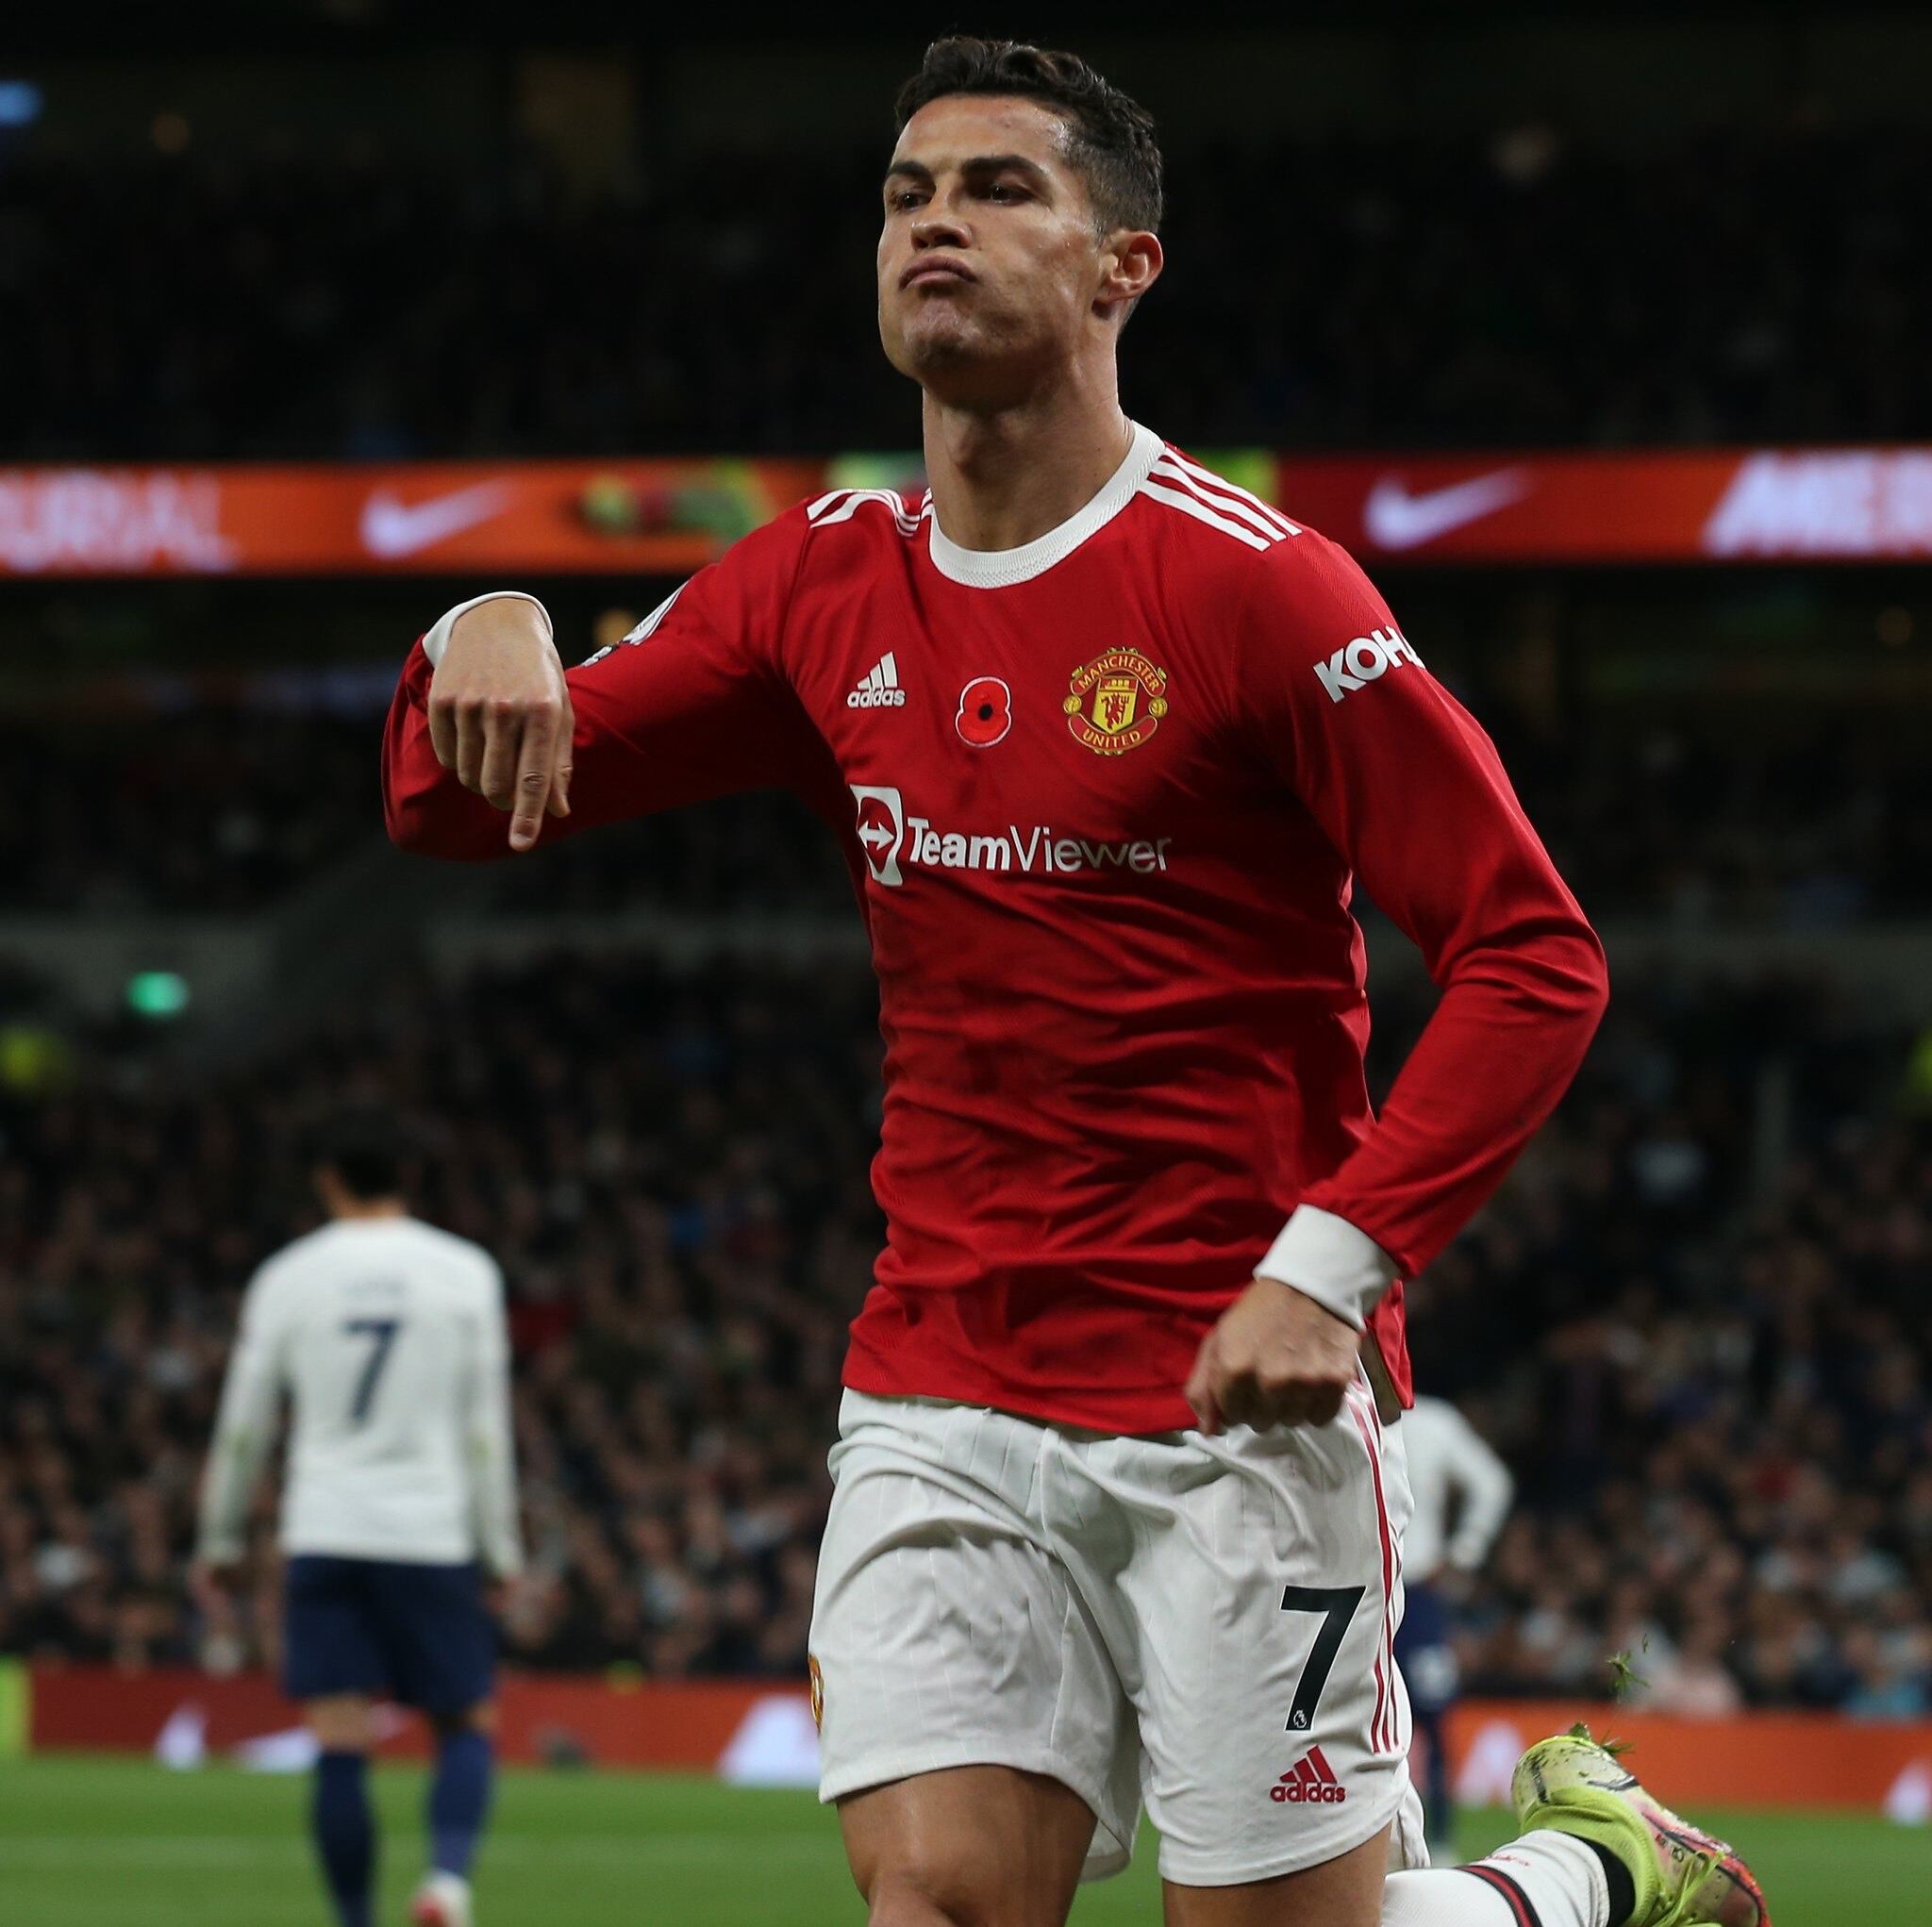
<point>499,1535</point>
<point>1486,1490</point>
<point>493,1457</point>
<point>500,1543</point>
<point>243,1422</point>
<point>1517,1014</point>
<point>234,1460</point>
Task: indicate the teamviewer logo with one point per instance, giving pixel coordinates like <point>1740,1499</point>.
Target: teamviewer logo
<point>882,830</point>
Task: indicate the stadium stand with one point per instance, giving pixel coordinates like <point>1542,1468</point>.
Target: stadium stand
<point>206,810</point>
<point>1715,1390</point>
<point>1477,290</point>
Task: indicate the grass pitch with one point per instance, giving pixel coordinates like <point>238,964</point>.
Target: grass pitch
<point>88,1842</point>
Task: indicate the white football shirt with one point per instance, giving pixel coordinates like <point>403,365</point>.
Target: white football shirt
<point>1451,1467</point>
<point>388,1337</point>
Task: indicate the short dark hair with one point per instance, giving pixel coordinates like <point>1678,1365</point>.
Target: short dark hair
<point>365,1147</point>
<point>1113,147</point>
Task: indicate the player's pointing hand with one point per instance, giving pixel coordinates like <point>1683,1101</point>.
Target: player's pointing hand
<point>500,713</point>
<point>1275,1357</point>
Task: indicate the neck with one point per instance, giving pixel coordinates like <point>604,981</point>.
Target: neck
<point>1000,479</point>
<point>353,1208</point>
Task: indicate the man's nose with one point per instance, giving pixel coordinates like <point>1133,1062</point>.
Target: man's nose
<point>936,227</point>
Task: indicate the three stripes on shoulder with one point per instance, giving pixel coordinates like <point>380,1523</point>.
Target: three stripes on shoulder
<point>1178,483</point>
<point>1173,481</point>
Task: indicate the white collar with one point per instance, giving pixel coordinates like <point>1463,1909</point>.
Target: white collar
<point>1001,568</point>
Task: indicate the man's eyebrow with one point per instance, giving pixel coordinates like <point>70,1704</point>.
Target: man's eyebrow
<point>979,163</point>
<point>1004,163</point>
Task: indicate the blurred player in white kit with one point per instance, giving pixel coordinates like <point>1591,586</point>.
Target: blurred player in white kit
<point>390,1340</point>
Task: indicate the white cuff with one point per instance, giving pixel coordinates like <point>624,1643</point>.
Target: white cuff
<point>1324,1257</point>
<point>438,639</point>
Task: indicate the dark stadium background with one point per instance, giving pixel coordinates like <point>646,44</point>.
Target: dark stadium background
<point>645,1068</point>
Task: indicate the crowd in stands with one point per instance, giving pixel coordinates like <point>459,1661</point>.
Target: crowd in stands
<point>1525,288</point>
<point>230,811</point>
<point>1702,1349</point>
<point>207,809</point>
<point>226,811</point>
<point>1707,826</point>
<point>1707,1359</point>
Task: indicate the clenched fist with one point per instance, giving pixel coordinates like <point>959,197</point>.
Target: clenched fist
<point>500,715</point>
<point>1275,1357</point>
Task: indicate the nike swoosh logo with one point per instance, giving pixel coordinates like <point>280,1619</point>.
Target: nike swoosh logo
<point>1394,519</point>
<point>392,528</point>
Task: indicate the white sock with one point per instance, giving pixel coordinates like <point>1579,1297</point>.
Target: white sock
<point>1544,1880</point>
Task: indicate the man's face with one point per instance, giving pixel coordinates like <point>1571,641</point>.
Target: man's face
<point>990,264</point>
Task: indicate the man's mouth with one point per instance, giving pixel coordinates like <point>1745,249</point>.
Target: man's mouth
<point>924,271</point>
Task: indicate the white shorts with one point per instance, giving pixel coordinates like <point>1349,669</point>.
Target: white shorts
<point>1202,1625</point>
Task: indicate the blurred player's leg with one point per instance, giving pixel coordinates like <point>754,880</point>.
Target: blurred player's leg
<point>968,1844</point>
<point>331,1667</point>
<point>339,1813</point>
<point>1428,1669</point>
<point>459,1805</point>
<point>439,1653</point>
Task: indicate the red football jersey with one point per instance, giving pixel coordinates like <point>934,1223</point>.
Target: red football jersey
<point>1103,797</point>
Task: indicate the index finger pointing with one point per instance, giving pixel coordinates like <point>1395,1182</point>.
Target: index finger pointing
<point>566,739</point>
<point>533,778</point>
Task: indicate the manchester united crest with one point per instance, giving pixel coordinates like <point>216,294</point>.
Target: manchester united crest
<point>1116,702</point>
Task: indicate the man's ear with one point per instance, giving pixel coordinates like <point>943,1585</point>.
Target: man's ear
<point>1134,261</point>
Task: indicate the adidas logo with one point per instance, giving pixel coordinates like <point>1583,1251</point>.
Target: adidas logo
<point>880,690</point>
<point>1310,1781</point>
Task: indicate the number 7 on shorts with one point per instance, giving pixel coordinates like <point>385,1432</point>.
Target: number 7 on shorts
<point>1337,1604</point>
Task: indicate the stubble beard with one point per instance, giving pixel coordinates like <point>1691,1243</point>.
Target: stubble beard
<point>961,360</point>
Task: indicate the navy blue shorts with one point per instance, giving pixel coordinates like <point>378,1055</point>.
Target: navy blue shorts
<point>417,1633</point>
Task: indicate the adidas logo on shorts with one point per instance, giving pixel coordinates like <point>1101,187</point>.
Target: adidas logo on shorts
<point>879,689</point>
<point>1310,1781</point>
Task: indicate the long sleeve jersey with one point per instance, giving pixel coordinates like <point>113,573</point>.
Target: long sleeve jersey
<point>1104,799</point>
<point>390,1340</point>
